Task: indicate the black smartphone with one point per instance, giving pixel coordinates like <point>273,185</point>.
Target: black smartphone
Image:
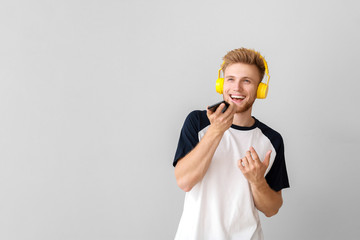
<point>216,105</point>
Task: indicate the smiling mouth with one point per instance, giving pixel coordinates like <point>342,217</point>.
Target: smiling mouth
<point>237,98</point>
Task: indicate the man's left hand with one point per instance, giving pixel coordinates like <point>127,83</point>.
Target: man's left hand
<point>252,168</point>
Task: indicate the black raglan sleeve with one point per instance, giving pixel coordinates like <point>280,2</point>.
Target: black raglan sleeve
<point>189,135</point>
<point>277,177</point>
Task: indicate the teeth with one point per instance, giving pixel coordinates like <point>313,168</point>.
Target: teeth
<point>238,97</point>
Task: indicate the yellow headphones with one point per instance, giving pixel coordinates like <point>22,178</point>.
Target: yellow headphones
<point>262,88</point>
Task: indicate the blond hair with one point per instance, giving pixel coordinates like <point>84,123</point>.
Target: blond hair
<point>247,56</point>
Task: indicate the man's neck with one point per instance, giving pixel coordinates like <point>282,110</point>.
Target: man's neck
<point>244,119</point>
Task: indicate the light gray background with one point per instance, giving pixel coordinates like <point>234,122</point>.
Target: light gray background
<point>93,95</point>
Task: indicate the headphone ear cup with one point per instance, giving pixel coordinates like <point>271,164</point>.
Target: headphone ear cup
<point>262,90</point>
<point>219,85</point>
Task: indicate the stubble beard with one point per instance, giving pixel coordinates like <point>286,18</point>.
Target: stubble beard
<point>246,107</point>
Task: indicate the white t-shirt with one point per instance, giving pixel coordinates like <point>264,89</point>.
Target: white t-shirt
<point>220,206</point>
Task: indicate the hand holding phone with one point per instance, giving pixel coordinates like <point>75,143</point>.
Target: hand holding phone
<point>216,105</point>
<point>222,119</point>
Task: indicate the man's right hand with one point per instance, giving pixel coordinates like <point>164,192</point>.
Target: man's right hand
<point>220,122</point>
<point>192,168</point>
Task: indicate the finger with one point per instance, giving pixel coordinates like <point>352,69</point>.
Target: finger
<point>267,158</point>
<point>254,154</point>
<point>249,156</point>
<point>245,162</point>
<point>230,110</point>
<point>228,116</point>
<point>212,112</point>
<point>209,112</point>
<point>240,165</point>
<point>220,108</point>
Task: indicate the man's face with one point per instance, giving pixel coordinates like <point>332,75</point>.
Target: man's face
<point>240,85</point>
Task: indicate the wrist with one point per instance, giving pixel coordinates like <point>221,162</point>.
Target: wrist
<point>215,131</point>
<point>260,184</point>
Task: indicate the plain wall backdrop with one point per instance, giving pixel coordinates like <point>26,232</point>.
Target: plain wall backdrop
<point>93,95</point>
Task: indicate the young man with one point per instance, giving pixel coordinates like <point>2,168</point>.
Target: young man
<point>229,163</point>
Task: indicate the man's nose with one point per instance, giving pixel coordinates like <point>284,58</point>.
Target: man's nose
<point>238,86</point>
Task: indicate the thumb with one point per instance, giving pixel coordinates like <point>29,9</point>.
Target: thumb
<point>267,158</point>
<point>208,112</point>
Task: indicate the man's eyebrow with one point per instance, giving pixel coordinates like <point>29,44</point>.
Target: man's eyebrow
<point>229,76</point>
<point>246,77</point>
